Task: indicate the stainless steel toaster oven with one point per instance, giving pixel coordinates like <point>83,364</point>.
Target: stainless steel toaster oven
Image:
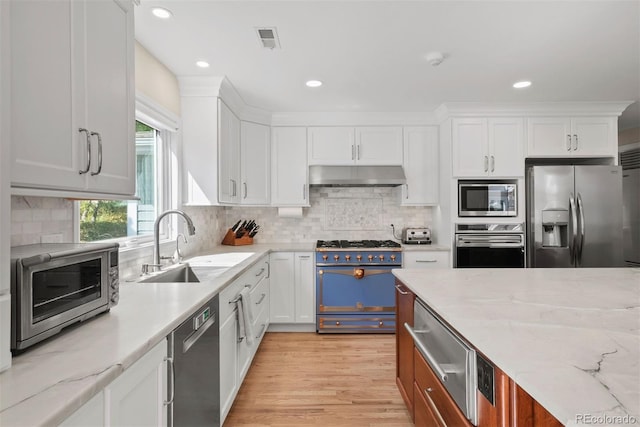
<point>54,285</point>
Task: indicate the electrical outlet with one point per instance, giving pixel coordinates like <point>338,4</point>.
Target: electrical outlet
<point>51,238</point>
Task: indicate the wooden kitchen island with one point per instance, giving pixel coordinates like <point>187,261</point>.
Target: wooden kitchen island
<point>565,342</point>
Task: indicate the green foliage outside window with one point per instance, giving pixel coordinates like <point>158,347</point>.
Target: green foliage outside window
<point>102,219</point>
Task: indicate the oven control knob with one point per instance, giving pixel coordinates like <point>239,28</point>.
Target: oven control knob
<point>370,257</point>
<point>347,257</point>
<point>393,257</point>
<point>359,257</point>
<point>336,257</point>
<point>381,257</point>
<point>325,257</point>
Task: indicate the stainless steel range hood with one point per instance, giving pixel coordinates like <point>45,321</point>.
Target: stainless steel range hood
<point>356,176</point>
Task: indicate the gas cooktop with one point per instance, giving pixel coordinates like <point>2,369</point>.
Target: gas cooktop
<point>357,244</point>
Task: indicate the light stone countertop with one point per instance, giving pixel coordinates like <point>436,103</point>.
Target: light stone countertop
<point>425,248</point>
<point>569,337</point>
<point>48,382</point>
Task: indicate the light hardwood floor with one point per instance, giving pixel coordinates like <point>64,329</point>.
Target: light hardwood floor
<point>306,379</point>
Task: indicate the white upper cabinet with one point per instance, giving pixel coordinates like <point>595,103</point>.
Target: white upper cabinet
<point>421,166</point>
<point>488,147</point>
<point>339,145</point>
<point>255,163</point>
<point>289,171</point>
<point>73,120</point>
<point>229,155</point>
<point>572,137</point>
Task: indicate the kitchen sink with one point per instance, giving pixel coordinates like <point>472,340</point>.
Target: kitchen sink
<point>182,273</point>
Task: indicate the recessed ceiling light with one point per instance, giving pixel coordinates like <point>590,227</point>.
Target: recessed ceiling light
<point>522,84</point>
<point>202,64</point>
<point>161,12</point>
<point>313,83</point>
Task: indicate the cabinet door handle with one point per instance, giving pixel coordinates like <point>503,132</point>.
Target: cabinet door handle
<point>99,153</point>
<point>493,164</point>
<point>353,152</point>
<point>169,361</point>
<point>433,406</point>
<point>358,152</point>
<point>88,138</point>
<point>400,291</point>
<point>304,256</point>
<point>568,142</point>
<point>268,269</point>
<point>262,330</point>
<point>304,192</point>
<point>245,190</point>
<point>575,142</point>
<point>407,191</point>
<point>262,297</point>
<point>486,163</point>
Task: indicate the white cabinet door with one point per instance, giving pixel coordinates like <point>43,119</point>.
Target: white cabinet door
<point>88,83</point>
<point>506,147</point>
<point>595,136</point>
<point>229,155</point>
<point>421,166</point>
<point>137,396</point>
<point>229,382</point>
<point>91,414</point>
<point>46,148</point>
<point>549,136</point>
<point>289,171</point>
<point>282,286</point>
<point>470,147</point>
<point>572,137</point>
<point>109,76</point>
<point>304,289</point>
<point>331,145</point>
<point>379,145</point>
<point>255,165</point>
<point>425,259</point>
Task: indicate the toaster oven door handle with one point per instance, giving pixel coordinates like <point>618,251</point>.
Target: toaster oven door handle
<point>442,374</point>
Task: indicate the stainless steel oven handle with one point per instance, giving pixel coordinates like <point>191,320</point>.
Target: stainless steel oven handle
<point>432,361</point>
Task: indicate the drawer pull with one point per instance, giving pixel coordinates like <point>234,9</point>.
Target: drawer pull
<point>426,260</point>
<point>262,330</point>
<point>262,297</point>
<point>401,291</point>
<point>433,406</point>
<point>260,272</point>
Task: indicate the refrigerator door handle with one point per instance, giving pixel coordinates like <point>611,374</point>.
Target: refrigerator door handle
<point>574,228</point>
<point>580,236</point>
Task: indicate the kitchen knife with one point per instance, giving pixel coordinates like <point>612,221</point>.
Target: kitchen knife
<point>235,227</point>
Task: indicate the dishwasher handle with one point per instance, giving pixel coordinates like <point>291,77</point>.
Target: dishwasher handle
<point>171,363</point>
<point>195,336</point>
<point>442,373</point>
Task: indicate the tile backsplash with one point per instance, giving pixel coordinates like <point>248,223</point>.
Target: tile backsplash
<point>353,213</point>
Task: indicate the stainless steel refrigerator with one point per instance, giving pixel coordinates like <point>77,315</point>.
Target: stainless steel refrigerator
<point>574,216</point>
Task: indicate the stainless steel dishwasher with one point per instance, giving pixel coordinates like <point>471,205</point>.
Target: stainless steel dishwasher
<point>194,370</point>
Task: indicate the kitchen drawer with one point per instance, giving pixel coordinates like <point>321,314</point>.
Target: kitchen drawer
<point>425,259</point>
<point>251,278</point>
<point>434,393</point>
<point>260,299</point>
<point>351,324</point>
<point>423,414</point>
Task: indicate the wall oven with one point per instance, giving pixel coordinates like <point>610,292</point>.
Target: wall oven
<point>54,285</point>
<point>487,199</point>
<point>489,246</point>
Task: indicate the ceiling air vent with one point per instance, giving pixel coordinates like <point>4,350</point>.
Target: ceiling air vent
<point>268,37</point>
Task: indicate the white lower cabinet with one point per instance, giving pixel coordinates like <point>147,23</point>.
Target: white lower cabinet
<point>236,354</point>
<point>425,259</point>
<point>135,398</point>
<point>292,288</point>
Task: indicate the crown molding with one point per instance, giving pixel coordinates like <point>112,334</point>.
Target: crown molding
<point>353,119</point>
<point>537,109</point>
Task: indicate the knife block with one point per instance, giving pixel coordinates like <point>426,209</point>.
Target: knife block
<point>230,239</point>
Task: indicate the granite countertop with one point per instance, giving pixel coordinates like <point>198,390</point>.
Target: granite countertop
<point>48,382</point>
<point>569,337</point>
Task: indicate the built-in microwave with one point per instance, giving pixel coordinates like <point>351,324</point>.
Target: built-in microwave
<point>54,285</point>
<point>487,198</point>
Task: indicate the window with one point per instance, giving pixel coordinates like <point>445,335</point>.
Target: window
<point>116,219</point>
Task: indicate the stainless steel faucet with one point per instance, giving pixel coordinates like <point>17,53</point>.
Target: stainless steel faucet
<point>156,236</point>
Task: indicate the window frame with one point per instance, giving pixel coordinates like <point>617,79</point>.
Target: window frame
<point>167,124</point>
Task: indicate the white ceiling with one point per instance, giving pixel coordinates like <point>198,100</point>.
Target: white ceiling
<point>371,55</point>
